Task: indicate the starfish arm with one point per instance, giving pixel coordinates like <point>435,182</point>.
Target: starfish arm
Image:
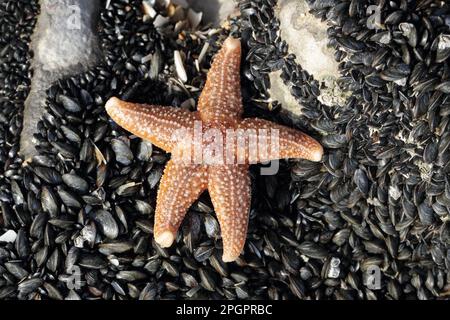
<point>229,188</point>
<point>157,124</point>
<point>180,186</point>
<point>220,101</point>
<point>266,141</point>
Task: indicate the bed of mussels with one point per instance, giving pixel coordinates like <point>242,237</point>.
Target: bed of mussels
<point>83,207</point>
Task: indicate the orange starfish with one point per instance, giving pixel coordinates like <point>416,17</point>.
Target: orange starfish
<point>198,164</point>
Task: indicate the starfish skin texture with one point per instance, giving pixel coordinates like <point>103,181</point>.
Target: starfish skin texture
<point>219,109</point>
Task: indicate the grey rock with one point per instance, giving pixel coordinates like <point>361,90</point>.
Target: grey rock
<point>64,43</point>
<point>214,11</point>
<point>307,39</point>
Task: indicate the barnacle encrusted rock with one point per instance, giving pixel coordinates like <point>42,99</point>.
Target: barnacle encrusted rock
<point>307,38</point>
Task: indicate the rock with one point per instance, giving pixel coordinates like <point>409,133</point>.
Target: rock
<point>307,39</point>
<point>280,92</point>
<point>214,11</point>
<point>64,43</point>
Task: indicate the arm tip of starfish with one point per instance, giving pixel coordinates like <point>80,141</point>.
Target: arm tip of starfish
<point>111,104</point>
<point>228,257</point>
<point>165,239</point>
<point>317,153</point>
<point>231,44</point>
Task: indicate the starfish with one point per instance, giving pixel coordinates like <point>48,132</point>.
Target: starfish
<point>200,141</point>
